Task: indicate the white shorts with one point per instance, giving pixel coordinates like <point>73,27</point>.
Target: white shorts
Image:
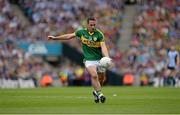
<point>91,63</point>
<point>96,63</point>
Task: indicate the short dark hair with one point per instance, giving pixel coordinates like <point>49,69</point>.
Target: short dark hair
<point>90,18</point>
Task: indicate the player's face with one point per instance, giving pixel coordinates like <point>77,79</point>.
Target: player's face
<point>91,25</point>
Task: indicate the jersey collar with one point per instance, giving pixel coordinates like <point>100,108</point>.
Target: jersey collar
<point>90,33</point>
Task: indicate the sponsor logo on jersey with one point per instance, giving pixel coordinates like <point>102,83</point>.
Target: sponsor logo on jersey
<point>90,43</point>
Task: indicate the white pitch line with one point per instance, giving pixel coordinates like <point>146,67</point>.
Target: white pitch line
<point>54,97</point>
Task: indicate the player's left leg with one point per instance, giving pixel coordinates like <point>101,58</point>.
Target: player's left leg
<point>173,74</point>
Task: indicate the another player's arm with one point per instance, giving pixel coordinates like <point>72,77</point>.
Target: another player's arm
<point>62,37</point>
<point>178,61</point>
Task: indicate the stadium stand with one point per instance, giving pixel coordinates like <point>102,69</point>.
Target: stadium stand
<point>156,25</point>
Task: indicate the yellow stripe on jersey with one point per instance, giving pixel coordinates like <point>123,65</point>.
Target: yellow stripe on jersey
<point>90,43</point>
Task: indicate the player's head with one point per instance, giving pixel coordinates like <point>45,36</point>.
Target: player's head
<point>91,24</point>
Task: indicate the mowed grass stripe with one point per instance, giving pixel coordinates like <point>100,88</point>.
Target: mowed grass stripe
<point>80,100</point>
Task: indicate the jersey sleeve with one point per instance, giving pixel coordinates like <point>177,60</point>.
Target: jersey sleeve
<point>101,36</point>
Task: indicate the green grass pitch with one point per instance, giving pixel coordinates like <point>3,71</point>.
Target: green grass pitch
<point>79,100</point>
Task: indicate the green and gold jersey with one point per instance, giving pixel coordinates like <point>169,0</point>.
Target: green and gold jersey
<point>91,43</point>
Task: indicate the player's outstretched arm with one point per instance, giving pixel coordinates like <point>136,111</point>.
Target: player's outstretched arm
<point>62,37</point>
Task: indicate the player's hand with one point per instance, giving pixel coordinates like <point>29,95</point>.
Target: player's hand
<point>50,37</point>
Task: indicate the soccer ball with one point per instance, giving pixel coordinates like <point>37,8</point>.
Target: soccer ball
<point>105,62</point>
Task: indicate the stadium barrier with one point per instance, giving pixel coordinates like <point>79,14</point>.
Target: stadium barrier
<point>160,82</point>
<point>41,48</point>
<point>20,83</point>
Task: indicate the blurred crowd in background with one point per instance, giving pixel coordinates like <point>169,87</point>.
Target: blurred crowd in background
<point>156,27</point>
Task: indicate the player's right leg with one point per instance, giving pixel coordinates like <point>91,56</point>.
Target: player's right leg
<point>101,74</point>
<point>102,98</point>
<point>102,78</point>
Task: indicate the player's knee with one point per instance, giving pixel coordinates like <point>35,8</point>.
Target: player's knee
<point>94,76</point>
